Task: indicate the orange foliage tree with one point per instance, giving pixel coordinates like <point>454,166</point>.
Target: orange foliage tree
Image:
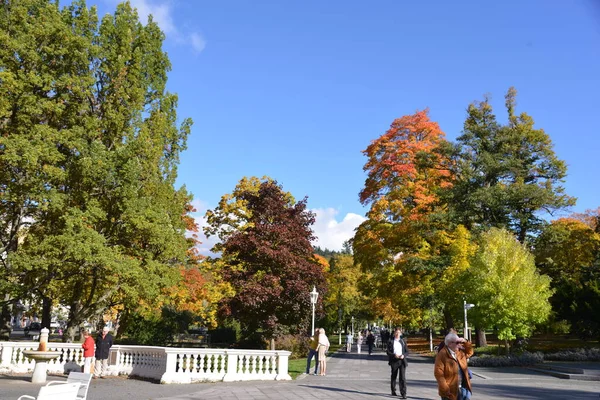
<point>404,169</point>
<point>396,245</point>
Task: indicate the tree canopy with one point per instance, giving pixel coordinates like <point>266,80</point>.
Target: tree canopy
<point>89,151</point>
<point>267,257</point>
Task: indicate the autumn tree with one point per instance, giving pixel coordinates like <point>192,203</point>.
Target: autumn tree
<point>267,257</point>
<point>405,172</point>
<point>344,298</point>
<point>107,226</point>
<point>568,251</point>
<point>505,175</point>
<point>503,283</point>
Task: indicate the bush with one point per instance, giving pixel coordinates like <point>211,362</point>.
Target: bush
<point>255,340</point>
<point>297,344</point>
<point>155,330</point>
<point>522,359</point>
<point>574,355</point>
<point>225,336</point>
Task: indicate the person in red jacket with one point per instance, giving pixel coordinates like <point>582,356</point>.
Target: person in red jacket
<point>88,351</point>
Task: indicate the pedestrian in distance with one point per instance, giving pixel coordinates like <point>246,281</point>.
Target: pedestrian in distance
<point>359,342</point>
<point>397,352</point>
<point>104,342</point>
<point>312,352</point>
<point>370,342</point>
<point>349,340</point>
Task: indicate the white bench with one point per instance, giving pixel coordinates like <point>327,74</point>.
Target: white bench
<point>79,377</point>
<point>64,391</point>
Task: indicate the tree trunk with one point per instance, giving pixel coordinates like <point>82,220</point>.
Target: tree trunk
<point>69,333</point>
<point>6,320</point>
<point>124,317</point>
<point>74,322</point>
<point>46,312</point>
<point>480,337</point>
<point>507,346</point>
<point>448,318</point>
<point>272,343</point>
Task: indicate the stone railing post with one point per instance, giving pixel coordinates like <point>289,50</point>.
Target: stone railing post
<point>170,375</point>
<point>6,350</point>
<point>231,372</point>
<point>282,366</point>
<point>114,361</point>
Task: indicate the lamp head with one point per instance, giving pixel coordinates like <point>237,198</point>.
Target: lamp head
<point>314,295</point>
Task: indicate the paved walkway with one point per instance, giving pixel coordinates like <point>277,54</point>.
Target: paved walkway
<point>350,376</point>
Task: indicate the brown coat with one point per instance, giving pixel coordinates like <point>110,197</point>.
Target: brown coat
<point>446,370</point>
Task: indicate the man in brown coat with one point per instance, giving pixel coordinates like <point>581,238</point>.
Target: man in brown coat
<point>451,370</point>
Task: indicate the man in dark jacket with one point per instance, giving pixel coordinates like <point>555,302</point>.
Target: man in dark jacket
<point>370,341</point>
<point>104,342</point>
<point>397,352</point>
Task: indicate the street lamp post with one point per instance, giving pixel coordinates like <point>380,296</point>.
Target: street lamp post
<point>352,326</point>
<point>340,312</point>
<point>314,295</point>
<point>467,307</point>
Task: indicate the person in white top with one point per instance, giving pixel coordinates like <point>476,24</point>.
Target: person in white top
<point>397,352</point>
<point>349,340</point>
<point>359,341</point>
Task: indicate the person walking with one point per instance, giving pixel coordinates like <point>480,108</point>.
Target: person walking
<point>451,370</point>
<point>88,351</point>
<point>359,341</point>
<point>312,352</point>
<point>349,340</point>
<point>397,352</point>
<point>323,347</point>
<point>370,341</point>
<point>104,342</point>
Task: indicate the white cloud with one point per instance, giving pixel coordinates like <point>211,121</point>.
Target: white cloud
<point>198,215</point>
<point>162,14</point>
<point>198,42</point>
<point>330,233</point>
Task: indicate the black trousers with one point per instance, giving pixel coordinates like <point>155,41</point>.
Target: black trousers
<point>398,372</point>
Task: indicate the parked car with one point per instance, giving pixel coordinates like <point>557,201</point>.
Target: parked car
<point>33,329</point>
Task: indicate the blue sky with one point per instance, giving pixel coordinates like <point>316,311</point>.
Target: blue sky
<point>297,89</point>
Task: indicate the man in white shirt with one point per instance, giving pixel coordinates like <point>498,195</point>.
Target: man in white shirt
<point>397,352</point>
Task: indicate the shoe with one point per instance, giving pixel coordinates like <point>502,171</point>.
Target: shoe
<point>394,394</point>
<point>403,396</point>
<point>315,374</point>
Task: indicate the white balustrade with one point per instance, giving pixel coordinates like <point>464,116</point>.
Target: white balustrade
<point>167,364</point>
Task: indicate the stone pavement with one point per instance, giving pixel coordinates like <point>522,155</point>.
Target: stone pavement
<point>349,376</point>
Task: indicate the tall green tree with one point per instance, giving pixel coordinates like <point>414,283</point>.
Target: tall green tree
<point>503,283</point>
<point>108,226</point>
<point>268,258</point>
<point>505,175</point>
